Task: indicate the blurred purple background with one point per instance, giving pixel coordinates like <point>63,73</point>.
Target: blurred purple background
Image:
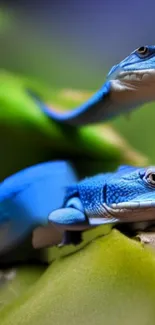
<point>74,41</point>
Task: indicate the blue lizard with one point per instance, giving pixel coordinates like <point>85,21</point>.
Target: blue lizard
<point>129,84</point>
<point>51,193</point>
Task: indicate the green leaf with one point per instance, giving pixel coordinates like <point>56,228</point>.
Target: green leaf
<point>27,136</point>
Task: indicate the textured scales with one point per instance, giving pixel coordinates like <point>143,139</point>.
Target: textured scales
<point>129,84</point>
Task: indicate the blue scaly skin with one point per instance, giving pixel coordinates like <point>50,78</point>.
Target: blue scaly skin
<point>51,193</point>
<point>129,84</point>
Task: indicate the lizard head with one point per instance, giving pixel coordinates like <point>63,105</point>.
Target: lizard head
<point>126,195</point>
<point>135,75</point>
<point>139,65</point>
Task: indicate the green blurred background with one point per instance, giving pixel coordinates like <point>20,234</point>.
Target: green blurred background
<point>73,46</point>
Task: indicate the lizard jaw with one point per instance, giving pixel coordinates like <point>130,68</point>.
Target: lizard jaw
<point>134,88</point>
<point>137,75</point>
<point>132,211</point>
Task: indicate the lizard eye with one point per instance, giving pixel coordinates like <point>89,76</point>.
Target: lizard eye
<point>75,203</point>
<point>150,178</point>
<point>142,51</point>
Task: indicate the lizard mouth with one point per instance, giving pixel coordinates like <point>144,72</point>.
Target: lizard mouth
<point>132,211</point>
<point>137,75</point>
<point>136,88</point>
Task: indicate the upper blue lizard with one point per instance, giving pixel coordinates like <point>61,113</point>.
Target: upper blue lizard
<point>129,84</point>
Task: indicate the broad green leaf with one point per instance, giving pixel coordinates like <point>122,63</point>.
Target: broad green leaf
<point>28,137</point>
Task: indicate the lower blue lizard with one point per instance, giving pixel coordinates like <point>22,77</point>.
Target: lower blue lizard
<point>51,193</point>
